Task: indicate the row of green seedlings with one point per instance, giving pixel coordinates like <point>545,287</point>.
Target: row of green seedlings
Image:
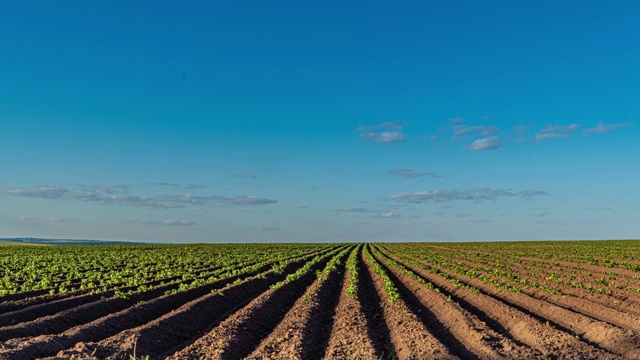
<point>387,284</point>
<point>185,281</point>
<point>332,266</point>
<point>454,281</point>
<point>126,277</point>
<point>556,277</point>
<point>248,268</point>
<point>411,260</point>
<point>278,269</point>
<point>249,271</point>
<point>498,271</point>
<point>112,271</point>
<point>595,257</point>
<point>352,266</point>
<point>512,283</point>
<point>57,267</point>
<point>610,279</point>
<point>303,270</point>
<point>404,269</point>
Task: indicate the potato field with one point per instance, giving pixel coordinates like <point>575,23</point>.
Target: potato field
<point>519,300</point>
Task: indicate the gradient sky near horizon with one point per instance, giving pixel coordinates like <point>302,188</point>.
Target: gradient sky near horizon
<point>297,121</point>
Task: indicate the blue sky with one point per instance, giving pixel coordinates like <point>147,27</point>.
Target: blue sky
<point>326,121</point>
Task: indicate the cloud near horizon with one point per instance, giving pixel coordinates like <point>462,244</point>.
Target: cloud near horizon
<point>479,194</point>
<point>167,222</point>
<point>105,195</point>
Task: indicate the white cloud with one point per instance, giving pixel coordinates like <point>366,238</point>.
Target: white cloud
<point>244,174</point>
<point>488,143</point>
<point>604,128</point>
<point>106,195</point>
<point>386,215</point>
<point>28,219</point>
<point>478,195</point>
<point>167,222</point>
<point>389,125</point>
<point>355,210</point>
<point>269,228</point>
<point>479,130</point>
<point>195,186</point>
<point>408,173</point>
<point>555,131</point>
<point>164,184</point>
<point>386,132</point>
<point>384,137</point>
<point>41,192</point>
<point>244,200</point>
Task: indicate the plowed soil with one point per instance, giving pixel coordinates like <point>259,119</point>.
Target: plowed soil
<point>440,314</point>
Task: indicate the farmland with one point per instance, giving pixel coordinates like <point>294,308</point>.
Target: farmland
<point>530,300</point>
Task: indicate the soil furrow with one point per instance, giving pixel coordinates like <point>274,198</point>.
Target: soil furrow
<point>181,325</point>
<point>303,333</point>
<point>585,305</point>
<point>112,324</point>
<point>239,334</point>
<point>349,337</point>
<point>371,305</point>
<point>550,341</point>
<point>410,338</point>
<point>455,327</point>
<point>598,333</point>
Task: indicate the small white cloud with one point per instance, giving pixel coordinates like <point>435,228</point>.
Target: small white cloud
<point>269,228</point>
<point>42,192</point>
<point>604,128</point>
<point>164,184</point>
<point>386,215</point>
<point>28,219</point>
<point>477,195</point>
<point>195,186</point>
<point>384,137</point>
<point>408,173</point>
<point>244,200</point>
<point>355,210</point>
<point>488,143</point>
<point>389,125</point>
<point>244,174</point>
<point>555,131</point>
<point>386,132</point>
<point>456,120</point>
<point>479,130</point>
<point>167,222</point>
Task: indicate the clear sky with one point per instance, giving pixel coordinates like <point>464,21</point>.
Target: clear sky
<point>320,121</point>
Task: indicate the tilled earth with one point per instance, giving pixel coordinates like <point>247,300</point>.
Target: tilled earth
<point>440,314</point>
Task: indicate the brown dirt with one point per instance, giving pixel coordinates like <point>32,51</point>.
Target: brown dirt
<point>410,337</point>
<point>238,335</point>
<point>593,333</point>
<point>303,333</point>
<point>349,337</point>
<point>307,319</point>
<point>460,330</point>
<point>583,302</point>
